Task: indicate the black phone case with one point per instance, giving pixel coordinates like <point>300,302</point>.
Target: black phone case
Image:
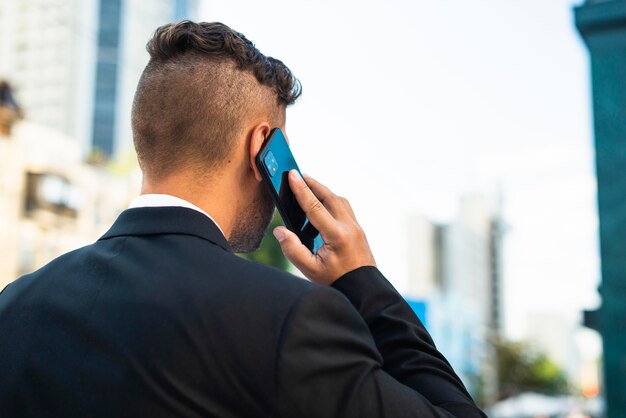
<point>274,162</point>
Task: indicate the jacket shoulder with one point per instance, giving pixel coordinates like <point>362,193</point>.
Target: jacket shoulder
<point>271,278</point>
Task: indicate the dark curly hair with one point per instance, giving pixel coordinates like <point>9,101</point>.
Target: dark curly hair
<point>201,85</point>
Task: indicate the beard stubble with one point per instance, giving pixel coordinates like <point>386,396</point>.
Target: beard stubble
<point>252,223</point>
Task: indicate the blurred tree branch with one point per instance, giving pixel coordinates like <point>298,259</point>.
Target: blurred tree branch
<point>521,368</point>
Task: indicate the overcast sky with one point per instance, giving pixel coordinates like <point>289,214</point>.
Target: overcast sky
<point>408,105</point>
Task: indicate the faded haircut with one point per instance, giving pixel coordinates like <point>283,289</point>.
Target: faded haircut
<point>203,84</point>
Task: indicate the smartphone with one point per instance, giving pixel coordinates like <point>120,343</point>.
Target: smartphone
<point>274,161</point>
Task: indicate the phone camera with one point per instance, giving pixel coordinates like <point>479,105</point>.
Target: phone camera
<point>271,163</point>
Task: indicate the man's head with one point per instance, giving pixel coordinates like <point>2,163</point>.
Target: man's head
<point>204,103</point>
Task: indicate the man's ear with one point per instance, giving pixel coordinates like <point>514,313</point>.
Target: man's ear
<point>257,137</point>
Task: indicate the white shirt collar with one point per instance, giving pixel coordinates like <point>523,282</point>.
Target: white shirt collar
<point>160,200</point>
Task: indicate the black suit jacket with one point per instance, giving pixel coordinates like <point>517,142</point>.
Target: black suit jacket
<point>159,318</point>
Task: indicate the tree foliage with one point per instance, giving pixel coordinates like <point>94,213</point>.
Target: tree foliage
<point>521,368</point>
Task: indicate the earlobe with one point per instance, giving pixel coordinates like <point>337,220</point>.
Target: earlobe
<point>259,133</point>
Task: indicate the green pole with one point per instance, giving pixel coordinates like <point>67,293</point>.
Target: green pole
<point>602,25</point>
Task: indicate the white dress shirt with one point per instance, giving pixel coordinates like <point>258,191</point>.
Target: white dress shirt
<point>161,200</point>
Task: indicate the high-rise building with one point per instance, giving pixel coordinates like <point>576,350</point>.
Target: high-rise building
<point>75,63</point>
<point>456,270</point>
<point>555,335</point>
<point>47,54</point>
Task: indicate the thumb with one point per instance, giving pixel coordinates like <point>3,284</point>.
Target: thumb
<point>293,249</point>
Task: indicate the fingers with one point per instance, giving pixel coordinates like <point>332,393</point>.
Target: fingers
<point>345,244</point>
<point>337,206</point>
<point>322,192</point>
<point>311,205</point>
<point>294,250</point>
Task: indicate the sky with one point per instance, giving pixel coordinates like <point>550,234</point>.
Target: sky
<point>409,105</point>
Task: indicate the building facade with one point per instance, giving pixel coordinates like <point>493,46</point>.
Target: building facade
<point>47,54</point>
<point>456,270</point>
<point>51,202</point>
<point>75,63</point>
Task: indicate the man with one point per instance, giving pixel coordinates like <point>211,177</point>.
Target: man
<point>160,318</point>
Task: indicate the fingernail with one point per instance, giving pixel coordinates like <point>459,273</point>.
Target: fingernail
<point>294,173</point>
<point>279,234</point>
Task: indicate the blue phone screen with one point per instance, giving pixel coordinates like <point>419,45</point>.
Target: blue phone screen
<point>277,161</point>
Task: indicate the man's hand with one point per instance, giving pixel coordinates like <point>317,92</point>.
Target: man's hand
<point>345,245</point>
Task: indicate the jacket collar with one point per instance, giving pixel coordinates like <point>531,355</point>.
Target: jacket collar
<point>166,220</point>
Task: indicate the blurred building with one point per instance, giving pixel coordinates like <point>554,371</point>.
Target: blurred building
<point>50,201</point>
<point>75,63</point>
<point>456,270</point>
<point>569,346</point>
<point>555,335</point>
